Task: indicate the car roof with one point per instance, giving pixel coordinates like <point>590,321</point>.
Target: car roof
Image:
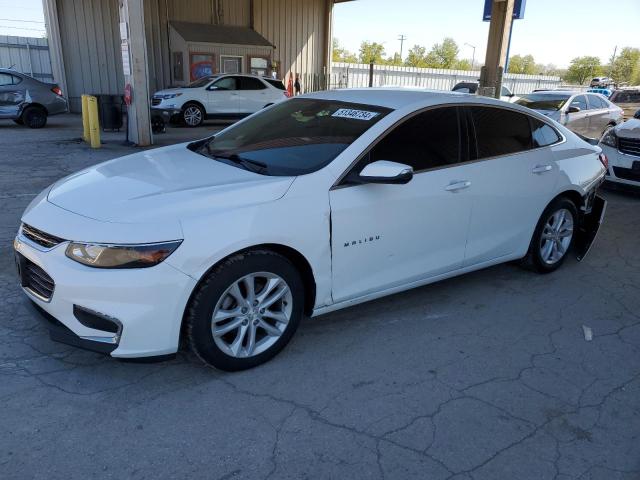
<point>400,97</point>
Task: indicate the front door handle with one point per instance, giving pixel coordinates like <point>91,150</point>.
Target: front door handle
<point>541,169</point>
<point>457,185</point>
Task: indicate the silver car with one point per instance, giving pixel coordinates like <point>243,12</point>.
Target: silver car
<point>587,114</point>
<point>28,101</point>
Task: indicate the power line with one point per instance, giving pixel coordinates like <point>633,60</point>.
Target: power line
<point>23,28</point>
<point>22,21</point>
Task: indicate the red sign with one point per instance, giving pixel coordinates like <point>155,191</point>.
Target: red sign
<point>128,94</point>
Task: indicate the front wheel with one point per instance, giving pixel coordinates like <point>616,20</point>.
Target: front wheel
<point>245,311</point>
<point>192,115</point>
<point>34,117</point>
<point>553,236</point>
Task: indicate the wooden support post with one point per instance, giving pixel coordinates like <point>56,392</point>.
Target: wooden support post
<point>497,43</point>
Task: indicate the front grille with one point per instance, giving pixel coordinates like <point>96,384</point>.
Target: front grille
<point>627,173</point>
<point>41,238</point>
<point>35,279</point>
<point>630,146</point>
<point>155,101</point>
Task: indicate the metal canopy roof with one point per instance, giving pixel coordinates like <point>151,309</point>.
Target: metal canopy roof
<point>224,34</point>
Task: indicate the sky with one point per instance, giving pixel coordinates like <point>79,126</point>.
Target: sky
<point>553,31</point>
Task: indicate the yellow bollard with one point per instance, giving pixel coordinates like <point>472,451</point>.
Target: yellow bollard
<point>85,118</point>
<point>94,123</point>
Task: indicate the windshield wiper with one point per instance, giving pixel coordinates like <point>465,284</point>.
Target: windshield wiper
<point>248,163</point>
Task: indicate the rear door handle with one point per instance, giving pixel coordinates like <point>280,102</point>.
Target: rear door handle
<point>541,168</point>
<point>457,185</point>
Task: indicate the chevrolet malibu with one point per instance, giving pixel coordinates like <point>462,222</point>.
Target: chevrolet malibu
<point>312,205</point>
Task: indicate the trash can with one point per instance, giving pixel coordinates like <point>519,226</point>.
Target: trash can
<point>110,111</point>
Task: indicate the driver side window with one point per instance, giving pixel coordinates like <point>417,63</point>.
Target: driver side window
<point>226,83</point>
<point>430,139</point>
<point>580,101</point>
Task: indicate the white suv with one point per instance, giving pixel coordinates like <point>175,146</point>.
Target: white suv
<point>218,96</point>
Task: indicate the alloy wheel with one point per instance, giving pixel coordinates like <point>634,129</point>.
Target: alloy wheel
<point>192,116</point>
<point>252,314</point>
<point>556,236</point>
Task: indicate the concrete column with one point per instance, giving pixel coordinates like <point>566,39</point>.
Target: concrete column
<point>497,43</point>
<point>50,8</point>
<point>136,70</point>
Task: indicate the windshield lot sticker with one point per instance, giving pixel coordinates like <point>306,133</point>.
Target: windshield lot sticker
<point>354,114</point>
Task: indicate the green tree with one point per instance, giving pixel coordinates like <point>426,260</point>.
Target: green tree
<point>443,55</point>
<point>463,64</point>
<point>522,64</point>
<point>626,67</point>
<point>340,54</point>
<point>396,60</point>
<point>371,52</point>
<point>416,57</point>
<point>583,68</point>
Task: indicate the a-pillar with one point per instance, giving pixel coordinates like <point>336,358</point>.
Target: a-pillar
<point>136,71</point>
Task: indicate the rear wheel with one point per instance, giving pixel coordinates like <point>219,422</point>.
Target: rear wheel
<point>246,310</point>
<point>553,236</point>
<point>34,117</point>
<point>192,115</point>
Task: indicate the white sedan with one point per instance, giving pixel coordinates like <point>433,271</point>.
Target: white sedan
<point>621,144</point>
<point>218,96</point>
<point>312,205</point>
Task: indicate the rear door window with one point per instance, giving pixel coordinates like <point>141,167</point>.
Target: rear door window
<point>226,83</point>
<point>596,103</point>
<point>500,131</point>
<point>248,83</point>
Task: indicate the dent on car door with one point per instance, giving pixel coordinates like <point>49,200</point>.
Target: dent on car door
<point>512,181</point>
<point>11,95</point>
<point>385,235</point>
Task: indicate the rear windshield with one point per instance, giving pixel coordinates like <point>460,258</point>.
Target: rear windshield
<point>543,101</point>
<point>276,83</point>
<point>295,137</point>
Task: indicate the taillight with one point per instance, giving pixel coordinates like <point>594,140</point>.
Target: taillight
<point>57,91</point>
<point>604,160</point>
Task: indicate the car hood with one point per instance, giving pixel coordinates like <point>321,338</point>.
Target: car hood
<point>172,90</point>
<point>629,129</point>
<point>169,183</point>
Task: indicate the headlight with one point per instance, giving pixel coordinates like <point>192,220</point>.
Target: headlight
<point>610,138</point>
<point>120,256</point>
<point>171,95</point>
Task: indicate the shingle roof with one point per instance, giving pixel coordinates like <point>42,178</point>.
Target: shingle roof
<point>224,34</point>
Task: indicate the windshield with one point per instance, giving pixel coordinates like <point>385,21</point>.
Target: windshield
<point>201,82</point>
<point>295,137</point>
<point>543,101</point>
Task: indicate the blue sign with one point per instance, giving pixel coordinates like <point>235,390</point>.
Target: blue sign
<point>518,9</point>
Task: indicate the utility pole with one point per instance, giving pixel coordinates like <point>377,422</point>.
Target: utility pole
<point>473,57</point>
<point>497,45</point>
<point>402,38</point>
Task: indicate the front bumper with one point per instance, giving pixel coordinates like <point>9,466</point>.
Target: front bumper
<point>147,303</point>
<point>621,167</point>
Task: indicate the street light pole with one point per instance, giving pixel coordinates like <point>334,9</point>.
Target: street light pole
<point>473,58</point>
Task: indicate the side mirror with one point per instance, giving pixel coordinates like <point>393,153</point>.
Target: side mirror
<point>637,115</point>
<point>384,171</point>
<point>573,109</point>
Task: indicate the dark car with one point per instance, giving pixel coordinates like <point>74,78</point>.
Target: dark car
<point>28,101</point>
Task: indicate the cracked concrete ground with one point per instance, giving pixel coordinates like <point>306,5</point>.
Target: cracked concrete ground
<point>485,376</point>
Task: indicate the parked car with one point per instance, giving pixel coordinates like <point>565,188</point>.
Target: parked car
<point>601,82</point>
<point>218,96</point>
<point>621,144</point>
<point>28,101</point>
<point>321,202</point>
<point>588,114</point>
<point>472,87</point>
<point>628,99</point>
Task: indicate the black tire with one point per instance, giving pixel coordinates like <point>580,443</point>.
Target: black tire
<point>18,121</point>
<point>533,260</point>
<point>198,319</point>
<point>34,117</point>
<point>188,116</point>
